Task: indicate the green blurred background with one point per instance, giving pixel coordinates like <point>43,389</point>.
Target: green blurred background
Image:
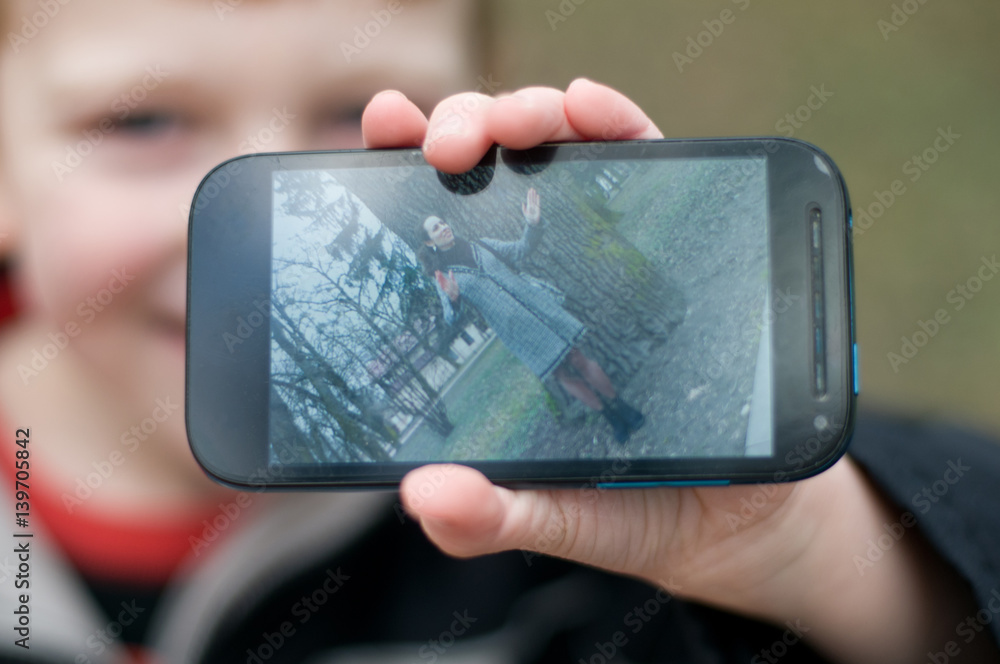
<point>892,90</point>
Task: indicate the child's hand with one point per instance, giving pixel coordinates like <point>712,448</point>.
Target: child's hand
<point>464,126</point>
<point>780,552</point>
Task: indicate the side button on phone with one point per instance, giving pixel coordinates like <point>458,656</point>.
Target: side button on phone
<point>857,374</point>
<point>650,485</point>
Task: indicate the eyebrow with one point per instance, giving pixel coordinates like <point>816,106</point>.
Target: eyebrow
<point>92,87</point>
<point>94,83</point>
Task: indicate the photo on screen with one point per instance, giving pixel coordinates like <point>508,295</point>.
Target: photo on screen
<point>580,310</point>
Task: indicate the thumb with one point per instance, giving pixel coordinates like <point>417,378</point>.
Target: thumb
<point>465,515</point>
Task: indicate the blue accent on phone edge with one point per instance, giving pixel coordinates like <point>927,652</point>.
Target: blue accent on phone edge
<point>857,376</point>
<point>648,485</point>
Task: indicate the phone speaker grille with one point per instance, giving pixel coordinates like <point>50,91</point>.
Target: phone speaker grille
<point>818,310</point>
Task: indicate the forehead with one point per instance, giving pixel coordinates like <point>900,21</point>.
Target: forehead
<point>239,43</point>
<point>431,222</point>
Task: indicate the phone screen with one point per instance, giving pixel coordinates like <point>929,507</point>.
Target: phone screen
<point>575,310</point>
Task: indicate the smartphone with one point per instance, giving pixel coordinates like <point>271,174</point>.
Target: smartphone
<point>617,314</point>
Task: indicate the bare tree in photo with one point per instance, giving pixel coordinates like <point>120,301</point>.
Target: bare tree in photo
<point>357,286</point>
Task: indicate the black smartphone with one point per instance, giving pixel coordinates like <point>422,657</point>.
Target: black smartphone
<point>621,314</point>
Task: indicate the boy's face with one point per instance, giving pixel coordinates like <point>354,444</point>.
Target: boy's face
<point>112,113</point>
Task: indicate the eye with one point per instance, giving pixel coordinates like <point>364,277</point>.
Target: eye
<point>147,123</point>
<point>144,140</point>
<point>346,116</point>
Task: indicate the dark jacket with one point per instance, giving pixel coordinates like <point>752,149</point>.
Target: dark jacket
<point>346,578</point>
<point>525,315</point>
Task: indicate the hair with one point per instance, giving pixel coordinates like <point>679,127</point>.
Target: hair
<point>427,255</point>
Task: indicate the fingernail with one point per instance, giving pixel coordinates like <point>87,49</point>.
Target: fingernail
<point>395,93</point>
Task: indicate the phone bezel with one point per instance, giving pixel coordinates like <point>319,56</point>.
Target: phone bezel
<point>229,278</point>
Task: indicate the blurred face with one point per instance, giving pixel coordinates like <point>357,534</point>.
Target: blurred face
<point>111,114</point>
<point>438,233</point>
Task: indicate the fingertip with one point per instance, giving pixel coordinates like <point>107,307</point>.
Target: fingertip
<point>445,491</point>
<point>389,93</point>
<point>458,508</point>
<point>597,111</point>
<point>520,122</point>
<point>390,120</point>
<point>456,153</point>
<point>528,117</point>
<point>455,140</point>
